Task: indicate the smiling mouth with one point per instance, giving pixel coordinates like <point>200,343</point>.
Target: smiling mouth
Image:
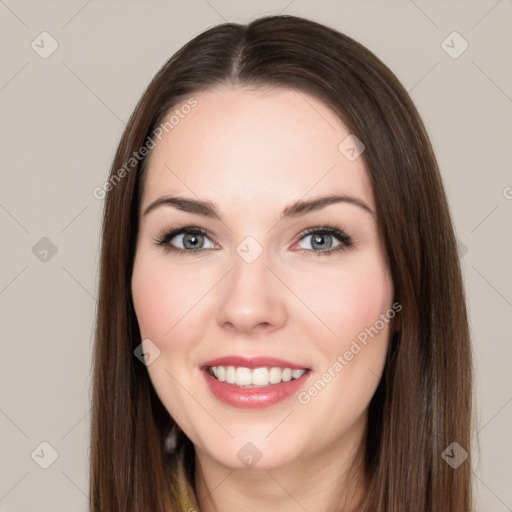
<point>254,377</point>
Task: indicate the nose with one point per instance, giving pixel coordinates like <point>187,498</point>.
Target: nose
<point>252,298</point>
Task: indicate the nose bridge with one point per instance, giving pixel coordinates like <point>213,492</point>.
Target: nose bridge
<point>251,295</point>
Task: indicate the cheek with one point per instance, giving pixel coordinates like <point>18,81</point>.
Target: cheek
<point>353,355</point>
<point>347,302</point>
<point>163,295</point>
<point>159,303</point>
<point>151,299</point>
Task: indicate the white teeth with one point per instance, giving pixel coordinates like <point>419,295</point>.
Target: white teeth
<point>287,375</point>
<point>297,373</point>
<point>260,377</point>
<point>230,375</point>
<point>242,376</point>
<point>275,375</point>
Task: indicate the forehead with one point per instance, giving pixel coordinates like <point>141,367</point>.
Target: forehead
<point>253,146</point>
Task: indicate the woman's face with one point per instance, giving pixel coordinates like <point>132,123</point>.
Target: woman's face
<point>252,292</point>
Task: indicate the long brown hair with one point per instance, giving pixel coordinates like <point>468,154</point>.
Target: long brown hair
<point>423,402</point>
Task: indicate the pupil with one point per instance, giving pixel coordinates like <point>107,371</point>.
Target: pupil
<point>318,239</point>
<point>187,239</point>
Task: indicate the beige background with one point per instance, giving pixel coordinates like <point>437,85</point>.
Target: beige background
<point>62,117</point>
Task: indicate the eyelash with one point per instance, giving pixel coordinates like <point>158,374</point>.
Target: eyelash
<point>335,230</point>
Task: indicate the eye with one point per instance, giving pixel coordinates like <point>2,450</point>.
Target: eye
<point>322,239</point>
<point>188,239</point>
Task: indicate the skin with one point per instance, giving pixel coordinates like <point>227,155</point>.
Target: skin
<point>252,153</point>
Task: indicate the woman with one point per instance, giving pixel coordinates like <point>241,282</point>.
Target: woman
<point>235,369</point>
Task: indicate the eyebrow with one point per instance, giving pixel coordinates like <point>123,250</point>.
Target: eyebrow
<point>296,209</point>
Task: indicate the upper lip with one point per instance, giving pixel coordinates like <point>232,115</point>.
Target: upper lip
<point>253,362</point>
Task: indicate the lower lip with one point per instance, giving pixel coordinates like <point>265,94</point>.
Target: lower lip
<point>253,398</point>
